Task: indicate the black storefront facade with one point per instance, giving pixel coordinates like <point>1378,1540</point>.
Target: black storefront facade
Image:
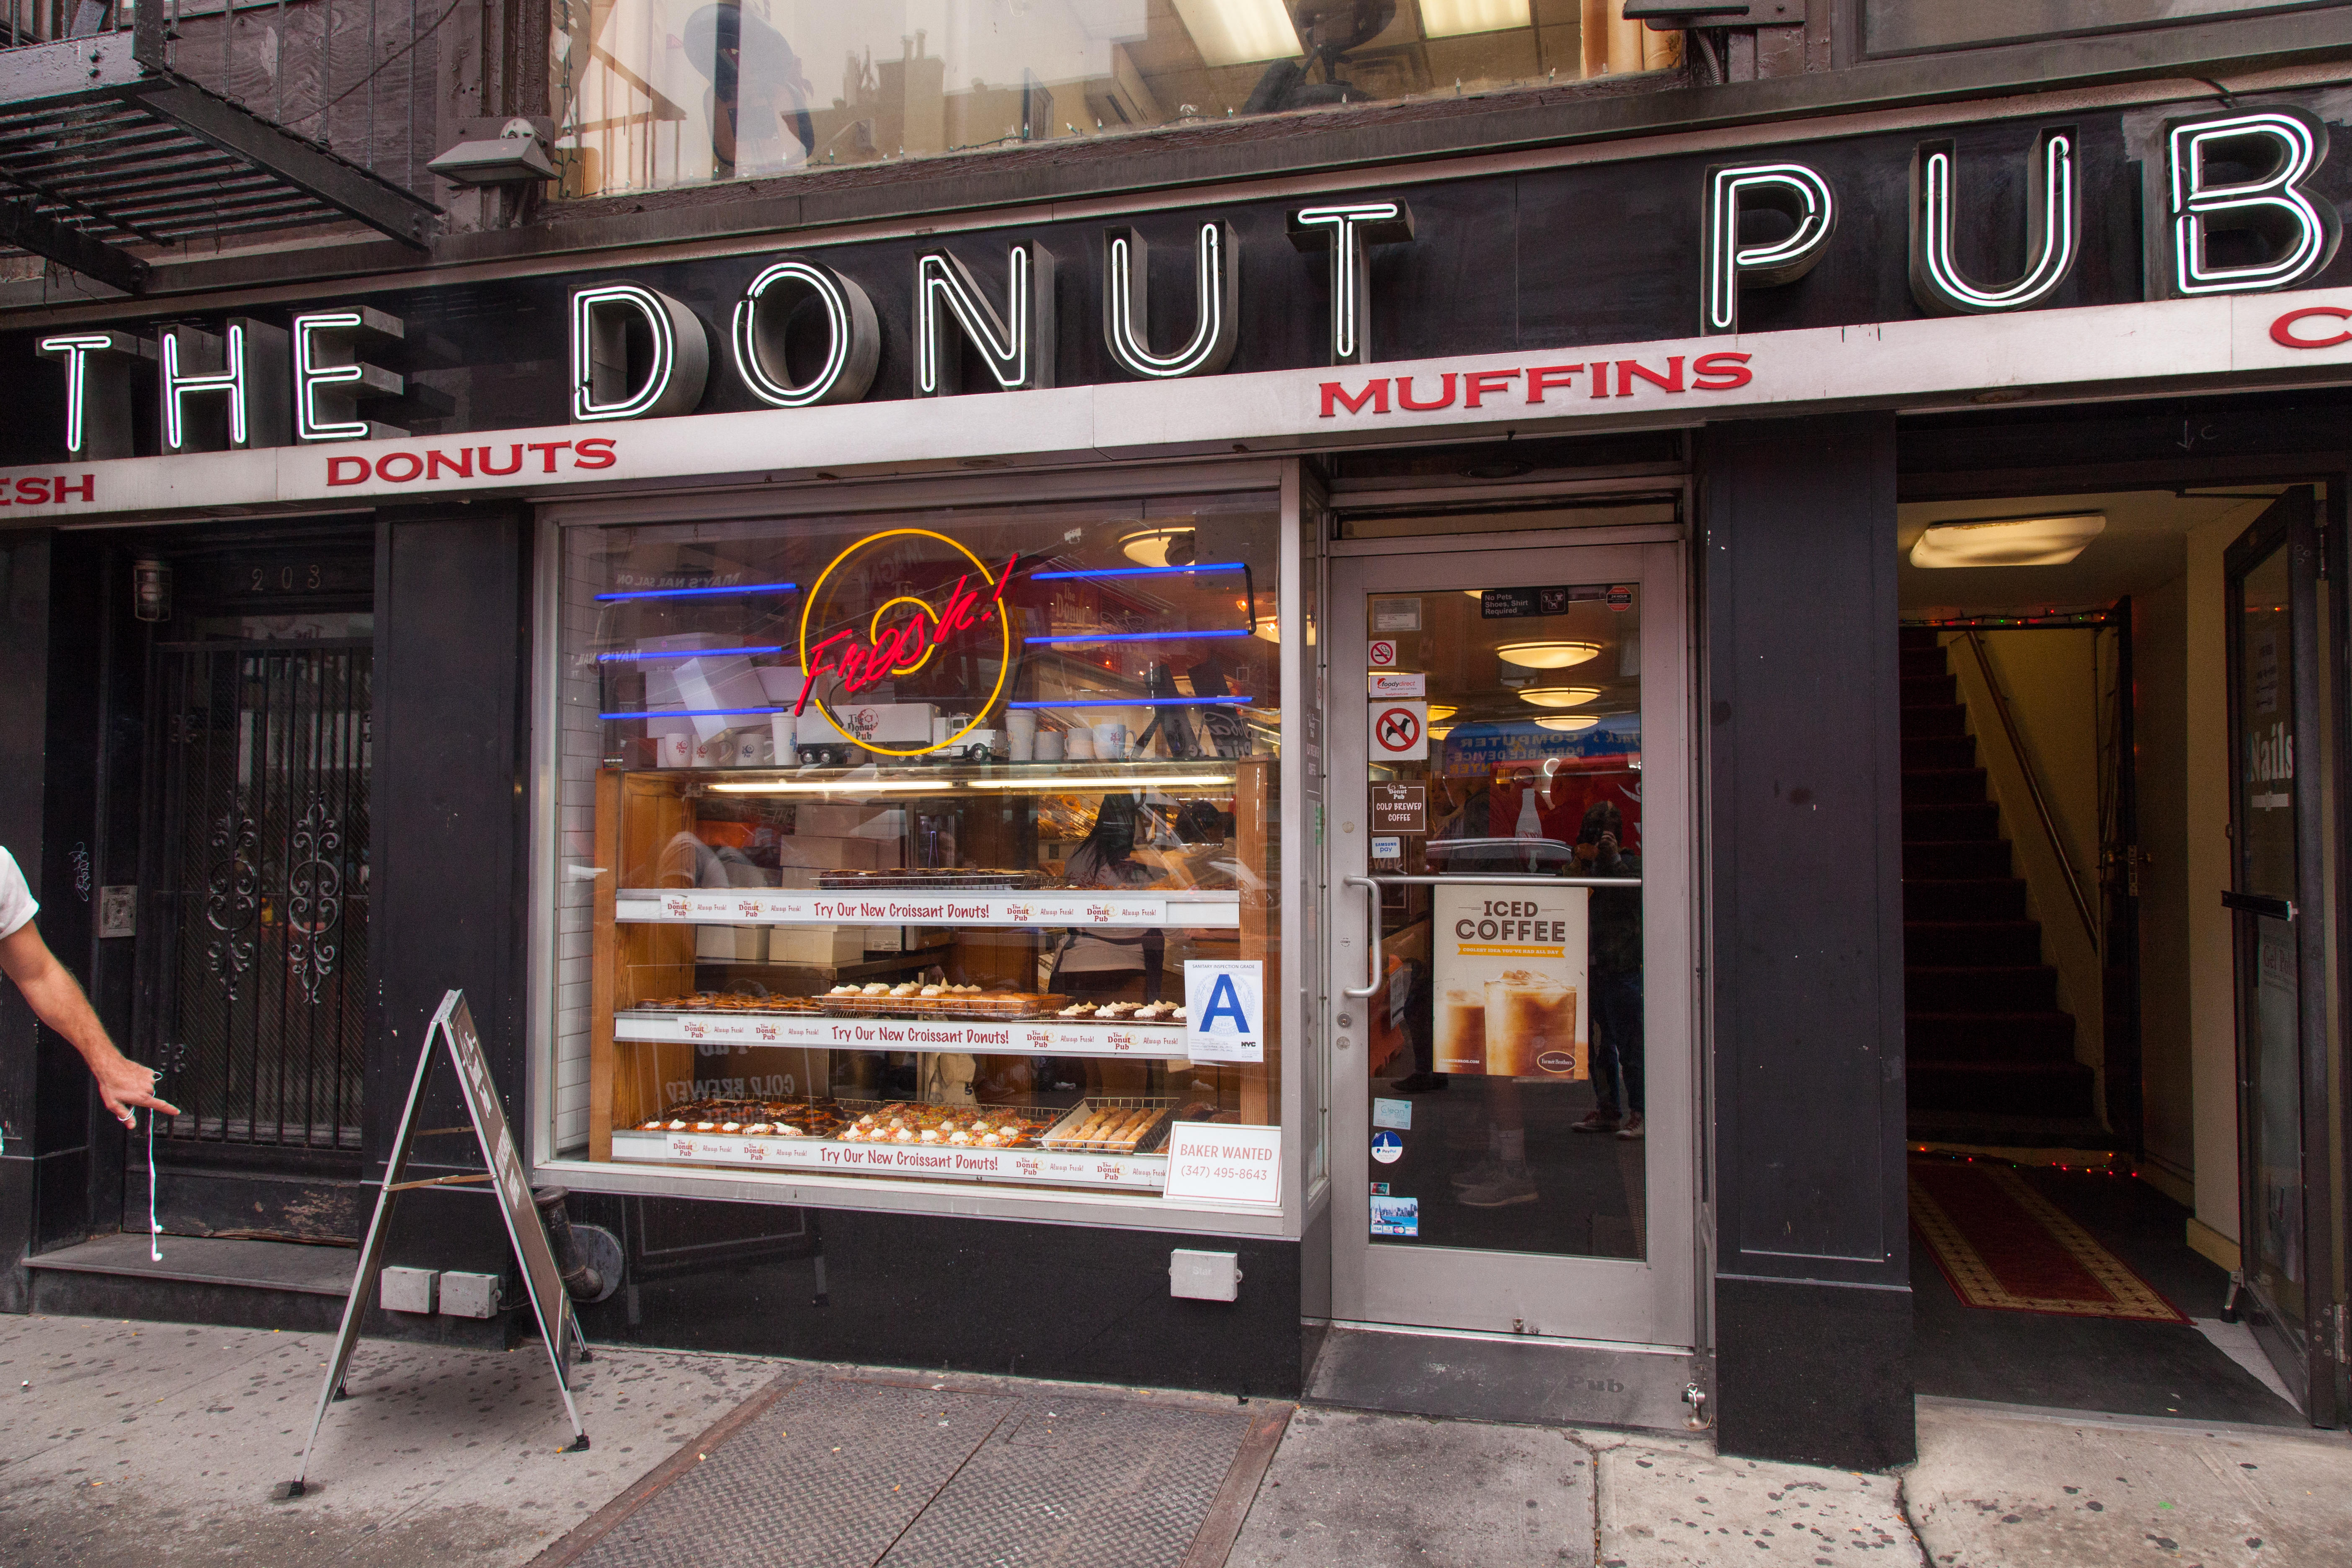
<point>1693,382</point>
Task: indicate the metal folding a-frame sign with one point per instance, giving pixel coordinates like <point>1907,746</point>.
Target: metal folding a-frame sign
<point>453,1026</point>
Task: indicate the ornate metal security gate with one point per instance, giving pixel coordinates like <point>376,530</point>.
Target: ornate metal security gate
<point>258,765</point>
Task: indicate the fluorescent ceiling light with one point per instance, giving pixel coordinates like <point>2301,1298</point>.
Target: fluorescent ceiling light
<point>1441,711</point>
<point>834,787</point>
<point>1237,32</point>
<point>1569,723</point>
<point>1439,731</point>
<point>1451,18</point>
<point>1549,655</point>
<point>2009,541</point>
<point>1558,695</point>
<point>1143,781</point>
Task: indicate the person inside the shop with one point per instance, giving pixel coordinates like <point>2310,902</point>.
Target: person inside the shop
<point>57,999</point>
<point>1087,963</point>
<point>1613,974</point>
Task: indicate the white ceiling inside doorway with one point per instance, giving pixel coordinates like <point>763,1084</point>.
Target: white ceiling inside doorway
<point>2144,545</point>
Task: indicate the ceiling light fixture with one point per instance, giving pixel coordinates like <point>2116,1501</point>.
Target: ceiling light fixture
<point>1453,18</point>
<point>1558,695</point>
<point>1568,723</point>
<point>1163,546</point>
<point>1441,711</point>
<point>1555,654</point>
<point>2009,541</point>
<point>1439,731</point>
<point>1238,32</point>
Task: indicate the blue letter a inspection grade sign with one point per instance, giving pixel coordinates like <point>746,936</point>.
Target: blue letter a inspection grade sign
<point>1224,1010</point>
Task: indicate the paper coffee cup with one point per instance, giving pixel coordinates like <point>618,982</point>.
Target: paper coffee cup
<point>1047,746</point>
<point>1021,735</point>
<point>780,738</point>
<point>1078,744</point>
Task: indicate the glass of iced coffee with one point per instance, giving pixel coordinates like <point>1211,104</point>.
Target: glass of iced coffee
<point>1462,1032</point>
<point>1531,1026</point>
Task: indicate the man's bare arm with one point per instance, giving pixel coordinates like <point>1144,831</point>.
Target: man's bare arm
<point>57,999</point>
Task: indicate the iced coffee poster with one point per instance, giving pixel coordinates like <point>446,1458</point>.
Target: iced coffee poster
<point>1510,990</point>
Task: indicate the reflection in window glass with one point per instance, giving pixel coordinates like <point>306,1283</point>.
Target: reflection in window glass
<point>652,93</point>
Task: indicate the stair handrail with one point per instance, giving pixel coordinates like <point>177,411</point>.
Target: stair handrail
<point>2034,790</point>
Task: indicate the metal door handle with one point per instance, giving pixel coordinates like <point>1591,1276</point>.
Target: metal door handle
<point>2259,904</point>
<point>1372,935</point>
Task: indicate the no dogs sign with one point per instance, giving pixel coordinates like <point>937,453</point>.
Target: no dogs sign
<point>1400,731</point>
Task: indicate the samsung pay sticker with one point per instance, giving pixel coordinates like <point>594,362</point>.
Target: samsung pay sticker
<point>1224,1010</point>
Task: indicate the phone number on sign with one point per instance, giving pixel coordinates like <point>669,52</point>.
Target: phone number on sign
<point>1227,1172</point>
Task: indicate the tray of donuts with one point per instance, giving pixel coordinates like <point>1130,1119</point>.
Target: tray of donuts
<point>956,1126</point>
<point>1111,1124</point>
<point>752,1118</point>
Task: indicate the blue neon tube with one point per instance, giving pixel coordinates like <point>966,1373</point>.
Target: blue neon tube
<point>697,593</point>
<point>1136,636</point>
<point>1141,571</point>
<point>640,655</point>
<point>1146,703</point>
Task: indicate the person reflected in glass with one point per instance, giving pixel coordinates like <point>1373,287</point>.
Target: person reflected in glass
<point>1613,974</point>
<point>758,102</point>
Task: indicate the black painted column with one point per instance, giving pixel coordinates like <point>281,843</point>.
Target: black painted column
<point>1813,1297</point>
<point>450,856</point>
<point>49,703</point>
<point>24,700</point>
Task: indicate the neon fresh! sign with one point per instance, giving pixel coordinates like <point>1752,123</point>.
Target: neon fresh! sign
<point>901,633</point>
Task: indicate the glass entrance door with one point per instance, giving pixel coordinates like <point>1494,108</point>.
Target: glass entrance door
<point>1509,830</point>
<point>2278,893</point>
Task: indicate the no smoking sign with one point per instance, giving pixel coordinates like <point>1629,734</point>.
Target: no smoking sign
<point>1384,653</point>
<point>1400,731</point>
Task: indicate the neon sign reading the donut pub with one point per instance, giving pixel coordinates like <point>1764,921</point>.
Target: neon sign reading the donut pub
<point>901,633</point>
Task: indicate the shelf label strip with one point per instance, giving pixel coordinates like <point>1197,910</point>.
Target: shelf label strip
<point>752,907</point>
<point>1023,1038</point>
<point>1146,1172</point>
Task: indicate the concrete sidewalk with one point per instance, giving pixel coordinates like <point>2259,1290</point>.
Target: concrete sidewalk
<point>145,1443</point>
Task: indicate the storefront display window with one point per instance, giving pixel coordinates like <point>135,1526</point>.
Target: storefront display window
<point>652,93</point>
<point>940,846</point>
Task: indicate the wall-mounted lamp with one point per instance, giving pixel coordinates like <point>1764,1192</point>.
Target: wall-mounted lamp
<point>517,156</point>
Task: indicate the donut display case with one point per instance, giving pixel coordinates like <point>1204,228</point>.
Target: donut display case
<point>816,930</point>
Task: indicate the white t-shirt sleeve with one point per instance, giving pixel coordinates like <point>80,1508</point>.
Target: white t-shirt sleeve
<point>17,905</point>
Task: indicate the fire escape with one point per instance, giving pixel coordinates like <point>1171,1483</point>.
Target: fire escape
<point>113,153</point>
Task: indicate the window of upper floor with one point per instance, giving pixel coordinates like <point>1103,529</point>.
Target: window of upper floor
<point>658,93</point>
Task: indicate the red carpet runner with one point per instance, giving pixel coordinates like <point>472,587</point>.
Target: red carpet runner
<point>2004,1246</point>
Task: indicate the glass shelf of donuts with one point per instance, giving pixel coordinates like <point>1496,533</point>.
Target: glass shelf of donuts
<point>1191,910</point>
<point>963,1021</point>
<point>1101,1141</point>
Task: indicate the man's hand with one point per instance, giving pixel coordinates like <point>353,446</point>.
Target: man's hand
<point>122,1084</point>
<point>58,1001</point>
